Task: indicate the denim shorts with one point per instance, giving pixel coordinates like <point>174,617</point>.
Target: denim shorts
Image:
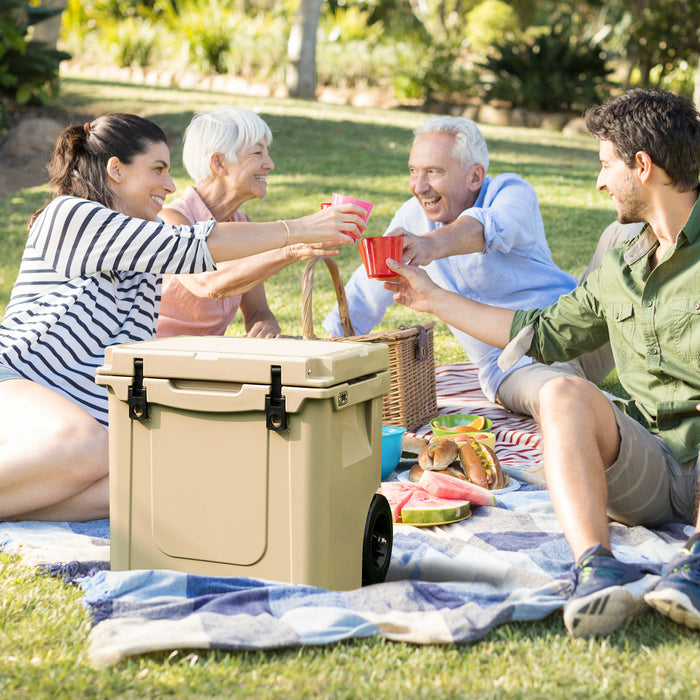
<point>8,373</point>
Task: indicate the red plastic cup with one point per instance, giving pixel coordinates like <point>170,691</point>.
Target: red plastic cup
<point>325,205</point>
<point>342,199</point>
<point>375,250</point>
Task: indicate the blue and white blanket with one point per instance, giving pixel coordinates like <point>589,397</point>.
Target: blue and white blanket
<point>446,584</point>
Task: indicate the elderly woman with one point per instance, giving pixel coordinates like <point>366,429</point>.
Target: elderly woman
<point>226,153</point>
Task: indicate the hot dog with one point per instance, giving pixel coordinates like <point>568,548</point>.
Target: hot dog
<point>489,468</point>
<point>462,457</point>
<point>475,471</point>
<point>438,454</point>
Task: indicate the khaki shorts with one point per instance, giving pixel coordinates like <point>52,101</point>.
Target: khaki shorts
<point>646,485</point>
<point>519,392</point>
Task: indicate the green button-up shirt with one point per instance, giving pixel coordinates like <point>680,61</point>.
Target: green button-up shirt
<point>652,319</point>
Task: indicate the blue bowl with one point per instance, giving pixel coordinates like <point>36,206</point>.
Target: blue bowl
<point>391,448</point>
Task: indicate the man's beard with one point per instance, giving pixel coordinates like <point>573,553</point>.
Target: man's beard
<point>631,208</point>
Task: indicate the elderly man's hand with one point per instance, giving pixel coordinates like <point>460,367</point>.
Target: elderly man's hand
<point>417,250</point>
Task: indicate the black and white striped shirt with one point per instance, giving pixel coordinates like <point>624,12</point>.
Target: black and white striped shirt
<point>90,277</point>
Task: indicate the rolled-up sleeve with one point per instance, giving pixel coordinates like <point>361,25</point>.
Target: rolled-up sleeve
<point>573,325</point>
<point>510,214</point>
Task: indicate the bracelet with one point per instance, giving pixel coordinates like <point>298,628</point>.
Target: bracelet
<point>286,226</point>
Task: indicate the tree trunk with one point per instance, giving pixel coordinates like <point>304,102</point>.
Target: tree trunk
<point>696,90</point>
<point>301,50</point>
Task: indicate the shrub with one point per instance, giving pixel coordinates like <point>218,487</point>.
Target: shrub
<point>208,29</point>
<point>28,69</point>
<point>440,73</point>
<point>132,41</point>
<point>259,47</point>
<point>489,22</point>
<point>552,72</point>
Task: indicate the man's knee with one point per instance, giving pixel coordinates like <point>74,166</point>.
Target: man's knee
<point>563,390</point>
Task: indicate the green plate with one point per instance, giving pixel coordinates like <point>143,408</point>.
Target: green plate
<point>451,421</point>
<point>442,522</point>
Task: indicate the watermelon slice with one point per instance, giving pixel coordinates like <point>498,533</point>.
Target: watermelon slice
<point>422,508</point>
<point>445,486</point>
<point>397,493</point>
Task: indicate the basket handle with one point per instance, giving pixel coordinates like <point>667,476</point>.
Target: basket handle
<point>420,349</point>
<point>307,284</point>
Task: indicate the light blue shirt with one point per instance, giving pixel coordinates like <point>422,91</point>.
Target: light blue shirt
<point>515,270</point>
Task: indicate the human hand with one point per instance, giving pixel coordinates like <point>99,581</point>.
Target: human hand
<point>417,250</point>
<point>334,225</point>
<point>306,251</point>
<point>413,288</point>
<point>269,328</point>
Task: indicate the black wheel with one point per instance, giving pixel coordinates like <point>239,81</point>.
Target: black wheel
<point>376,546</point>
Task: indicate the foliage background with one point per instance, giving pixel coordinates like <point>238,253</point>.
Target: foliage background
<point>439,51</point>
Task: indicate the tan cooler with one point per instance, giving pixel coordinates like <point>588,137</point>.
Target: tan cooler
<point>248,457</point>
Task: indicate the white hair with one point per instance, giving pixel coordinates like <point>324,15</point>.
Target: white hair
<point>228,130</point>
<point>470,146</point>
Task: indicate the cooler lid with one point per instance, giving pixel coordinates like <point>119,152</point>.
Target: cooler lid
<point>317,363</point>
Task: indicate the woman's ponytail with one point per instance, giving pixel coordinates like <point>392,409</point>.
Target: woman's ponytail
<point>78,166</point>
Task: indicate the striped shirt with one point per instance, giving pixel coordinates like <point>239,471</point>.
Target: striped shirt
<point>90,277</point>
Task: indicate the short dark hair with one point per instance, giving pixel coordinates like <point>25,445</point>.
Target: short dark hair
<point>663,125</point>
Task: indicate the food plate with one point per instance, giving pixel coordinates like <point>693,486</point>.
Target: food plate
<point>513,484</point>
<point>450,422</point>
<point>444,522</point>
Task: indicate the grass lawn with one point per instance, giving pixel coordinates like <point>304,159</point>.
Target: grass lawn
<point>319,149</point>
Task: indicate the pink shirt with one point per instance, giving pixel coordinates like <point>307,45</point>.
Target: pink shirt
<point>184,313</point>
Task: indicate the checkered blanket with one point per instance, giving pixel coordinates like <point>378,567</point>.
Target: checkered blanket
<point>446,584</point>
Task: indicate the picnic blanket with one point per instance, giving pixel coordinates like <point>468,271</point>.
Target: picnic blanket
<point>445,584</point>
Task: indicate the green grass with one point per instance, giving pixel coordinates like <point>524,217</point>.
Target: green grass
<point>319,149</point>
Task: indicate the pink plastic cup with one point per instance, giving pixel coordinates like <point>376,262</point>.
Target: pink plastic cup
<point>342,199</point>
<point>375,250</point>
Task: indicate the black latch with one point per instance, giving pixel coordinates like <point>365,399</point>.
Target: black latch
<point>138,401</point>
<point>275,403</point>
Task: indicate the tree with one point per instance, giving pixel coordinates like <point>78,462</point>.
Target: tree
<point>301,50</point>
<point>660,35</point>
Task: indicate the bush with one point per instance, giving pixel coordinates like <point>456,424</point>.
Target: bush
<point>489,22</point>
<point>259,47</point>
<point>208,29</point>
<point>553,72</point>
<point>132,41</point>
<point>28,69</point>
<point>439,74</point>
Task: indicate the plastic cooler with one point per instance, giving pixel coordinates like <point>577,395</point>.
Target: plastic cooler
<point>248,457</point>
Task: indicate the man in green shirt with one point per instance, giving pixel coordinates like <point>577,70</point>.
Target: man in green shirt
<point>634,461</point>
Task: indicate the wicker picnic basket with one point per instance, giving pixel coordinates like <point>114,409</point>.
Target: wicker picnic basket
<point>411,401</point>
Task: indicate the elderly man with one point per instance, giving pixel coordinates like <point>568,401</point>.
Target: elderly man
<point>481,237</point>
<point>634,461</point>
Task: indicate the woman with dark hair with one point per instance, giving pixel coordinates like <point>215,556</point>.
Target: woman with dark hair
<point>90,277</point>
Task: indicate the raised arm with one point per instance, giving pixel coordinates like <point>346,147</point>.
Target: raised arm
<point>228,241</point>
<point>464,235</point>
<point>414,289</point>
